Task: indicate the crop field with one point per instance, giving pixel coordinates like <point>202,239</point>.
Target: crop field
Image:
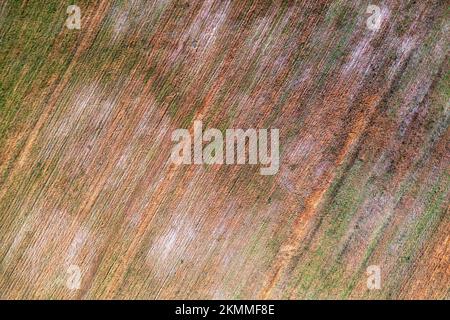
<point>93,207</point>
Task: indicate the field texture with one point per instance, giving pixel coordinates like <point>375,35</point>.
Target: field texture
<point>88,190</point>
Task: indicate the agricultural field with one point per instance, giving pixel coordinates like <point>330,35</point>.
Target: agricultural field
<point>93,207</point>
